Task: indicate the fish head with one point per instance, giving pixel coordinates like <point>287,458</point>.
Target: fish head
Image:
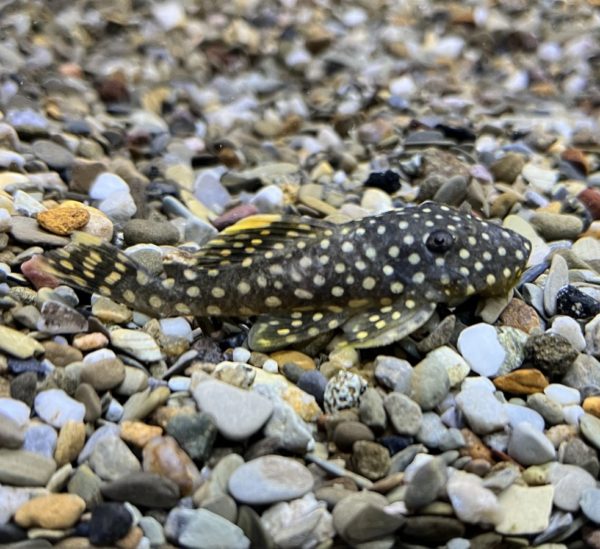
<point>462,255</point>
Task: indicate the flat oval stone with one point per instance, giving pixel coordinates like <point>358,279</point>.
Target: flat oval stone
<point>237,413</point>
<point>269,479</point>
<point>55,407</point>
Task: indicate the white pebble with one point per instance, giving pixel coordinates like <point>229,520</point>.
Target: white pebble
<point>114,411</point>
<point>562,394</point>
<point>5,220</point>
<point>14,409</point>
<point>179,383</point>
<point>55,407</point>
<point>241,354</point>
<point>569,328</point>
<point>270,366</point>
<point>573,414</point>
<point>106,184</point>
<point>176,327</point>
<point>521,414</point>
<point>478,383</point>
<point>479,346</point>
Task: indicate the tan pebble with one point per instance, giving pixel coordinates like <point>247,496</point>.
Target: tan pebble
<point>592,405</point>
<point>519,314</point>
<point>303,404</point>
<point>98,225</point>
<point>561,433</point>
<point>522,382</point>
<point>90,342</point>
<point>64,219</point>
<point>71,439</point>
<point>138,433</point>
<point>300,359</point>
<point>109,311</point>
<point>386,484</point>
<point>55,511</point>
<point>162,455</point>
<point>73,543</point>
<point>132,539</point>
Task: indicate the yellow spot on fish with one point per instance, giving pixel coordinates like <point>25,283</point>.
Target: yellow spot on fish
<point>213,310</point>
<point>193,291</point>
<point>129,296</point>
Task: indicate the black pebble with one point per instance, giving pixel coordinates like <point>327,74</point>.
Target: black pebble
<point>387,181</point>
<point>574,303</point>
<point>395,443</point>
<point>313,382</point>
<point>11,533</point>
<point>109,523</point>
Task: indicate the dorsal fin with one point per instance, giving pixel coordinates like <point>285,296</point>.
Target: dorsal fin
<point>268,235</point>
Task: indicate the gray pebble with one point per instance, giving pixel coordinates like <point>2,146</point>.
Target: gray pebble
<point>206,530</point>
<point>426,484</point>
<point>404,414</point>
<point>112,459</point>
<point>529,446</point>
<point>55,156</point>
<point>429,384</point>
<point>371,410</point>
<point>141,231</point>
<point>270,479</point>
<point>482,410</point>
<point>590,504</point>
<point>590,427</point>
<point>393,373</point>
<point>549,409</point>
<point>40,439</point>
<point>552,226</point>
<point>21,468</point>
<point>195,433</point>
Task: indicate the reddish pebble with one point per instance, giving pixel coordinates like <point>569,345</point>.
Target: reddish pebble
<point>34,270</point>
<point>234,215</point>
<point>591,200</point>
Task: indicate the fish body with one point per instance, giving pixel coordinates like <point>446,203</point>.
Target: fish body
<point>378,278</point>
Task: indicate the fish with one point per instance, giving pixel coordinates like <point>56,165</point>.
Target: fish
<point>377,279</point>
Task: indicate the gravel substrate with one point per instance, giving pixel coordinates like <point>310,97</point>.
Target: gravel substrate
<point>154,125</point>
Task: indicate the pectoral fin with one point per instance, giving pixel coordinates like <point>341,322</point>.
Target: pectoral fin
<point>270,333</point>
<point>381,326</point>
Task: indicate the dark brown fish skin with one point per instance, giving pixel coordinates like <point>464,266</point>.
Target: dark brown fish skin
<point>278,265</point>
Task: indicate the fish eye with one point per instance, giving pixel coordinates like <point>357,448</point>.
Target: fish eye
<point>439,241</point>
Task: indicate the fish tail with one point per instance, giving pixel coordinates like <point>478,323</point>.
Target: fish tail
<point>95,266</point>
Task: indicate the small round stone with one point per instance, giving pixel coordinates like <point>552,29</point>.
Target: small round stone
<point>54,511</point>
<point>370,459</point>
<point>270,479</point>
<point>109,523</point>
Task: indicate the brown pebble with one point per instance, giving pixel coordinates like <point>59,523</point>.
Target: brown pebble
<point>64,219</point>
<point>522,382</point>
<point>591,200</point>
<point>387,484</point>
<point>474,447</point>
<point>576,158</point>
<point>164,456</point>
<point>519,314</point>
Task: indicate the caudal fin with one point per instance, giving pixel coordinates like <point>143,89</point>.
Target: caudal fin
<point>95,266</point>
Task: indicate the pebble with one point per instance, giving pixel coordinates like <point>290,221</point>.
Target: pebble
<point>22,468</point>
<point>427,483</point>
<point>109,523</point>
<point>404,414</point>
<point>237,413</point>
<point>484,413</point>
<point>552,354</point>
<point>529,446</point>
<point>525,510</point>
<point>40,439</point>
<point>526,381</point>
<point>103,375</point>
<point>63,220</point>
<point>343,391</point>
<point>112,459</point>
<point>164,456</point>
<point>196,433</point>
<point>269,479</point>
<point>55,407</point>
<point>480,347</point>
<point>590,504</point>
<point>370,459</point>
<point>361,517</point>
<point>17,344</point>
<point>562,394</point>
<point>576,304</point>
<point>471,500</point>
<point>106,185</point>
<point>203,529</point>
<point>569,328</point>
<point>551,226</point>
<point>393,373</point>
<point>139,344</point>
<point>144,489</point>
<point>302,522</point>
<point>11,434</point>
<point>71,439</point>
<point>371,410</point>
<point>15,410</point>
<point>54,511</point>
<point>429,384</point>
<point>558,278</point>
<point>161,233</point>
